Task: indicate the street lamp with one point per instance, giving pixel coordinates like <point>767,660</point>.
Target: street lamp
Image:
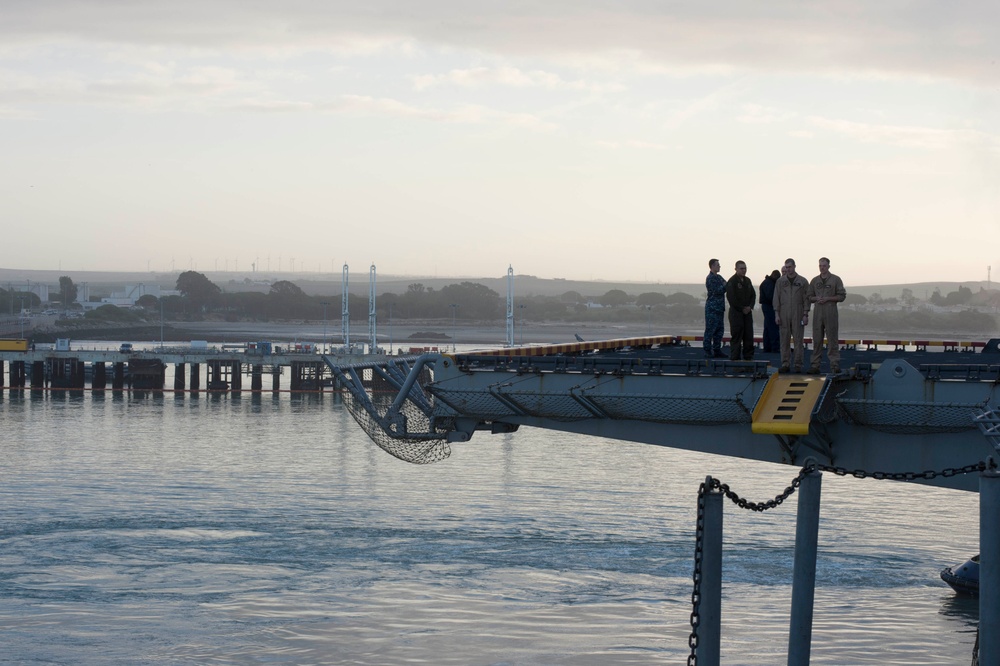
<point>649,319</point>
<point>21,316</point>
<point>521,322</point>
<point>324,325</point>
<point>454,309</point>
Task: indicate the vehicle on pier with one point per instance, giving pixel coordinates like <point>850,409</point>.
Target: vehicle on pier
<point>18,344</point>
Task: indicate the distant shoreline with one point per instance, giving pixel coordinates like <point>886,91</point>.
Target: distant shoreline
<point>405,333</point>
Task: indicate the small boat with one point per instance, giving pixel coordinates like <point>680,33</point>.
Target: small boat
<point>964,578</point>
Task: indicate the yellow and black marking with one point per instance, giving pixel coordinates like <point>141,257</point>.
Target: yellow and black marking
<point>578,347</point>
<point>787,403</point>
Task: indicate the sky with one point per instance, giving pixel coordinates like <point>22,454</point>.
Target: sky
<point>584,139</point>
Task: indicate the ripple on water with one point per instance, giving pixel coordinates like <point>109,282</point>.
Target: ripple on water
<point>236,531</point>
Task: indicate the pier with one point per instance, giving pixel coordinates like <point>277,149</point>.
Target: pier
<point>253,366</point>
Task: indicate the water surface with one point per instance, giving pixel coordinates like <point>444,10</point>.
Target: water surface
<point>231,530</point>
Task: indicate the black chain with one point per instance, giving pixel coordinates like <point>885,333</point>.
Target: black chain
<point>712,484</point>
<point>696,592</point>
<point>927,475</point>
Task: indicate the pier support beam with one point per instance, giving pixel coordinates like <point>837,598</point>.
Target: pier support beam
<point>256,378</point>
<point>178,376</point>
<point>146,374</point>
<point>17,374</point>
<point>118,376</point>
<point>195,377</point>
<point>276,379</point>
<point>804,570</point>
<point>99,376</point>
<point>236,375</point>
<point>218,372</point>
<point>38,374</point>
<point>710,607</point>
<point>989,567</point>
<point>65,373</point>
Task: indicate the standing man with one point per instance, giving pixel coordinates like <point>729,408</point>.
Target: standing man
<point>742,297</point>
<point>715,310</point>
<point>771,341</point>
<point>826,290</point>
<point>791,312</point>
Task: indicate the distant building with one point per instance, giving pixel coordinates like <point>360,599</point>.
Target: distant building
<point>132,293</point>
<point>36,288</point>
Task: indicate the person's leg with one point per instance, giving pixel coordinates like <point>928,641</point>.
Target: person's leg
<point>785,333</point>
<point>748,337</point>
<point>706,340</point>
<point>735,334</point>
<point>800,336</point>
<point>817,333</point>
<point>833,341</point>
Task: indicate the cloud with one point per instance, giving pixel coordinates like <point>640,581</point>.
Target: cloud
<point>512,77</point>
<point>465,115</point>
<point>756,114</point>
<point>923,138</point>
<point>954,40</point>
<point>633,143</point>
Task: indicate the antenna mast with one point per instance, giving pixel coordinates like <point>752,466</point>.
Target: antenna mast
<point>510,306</point>
<point>345,314</point>
<point>373,341</point>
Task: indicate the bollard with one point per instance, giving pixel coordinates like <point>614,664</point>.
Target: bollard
<point>989,567</point>
<point>804,570</point>
<point>710,608</point>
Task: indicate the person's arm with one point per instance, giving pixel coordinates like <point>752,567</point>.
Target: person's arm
<point>776,303</point>
<point>731,294</point>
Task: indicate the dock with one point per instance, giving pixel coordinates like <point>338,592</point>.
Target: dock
<point>195,368</point>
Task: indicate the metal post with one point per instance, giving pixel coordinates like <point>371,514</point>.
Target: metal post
<point>325,303</point>
<point>454,309</point>
<point>521,322</point>
<point>710,608</point>
<point>804,571</point>
<point>989,567</point>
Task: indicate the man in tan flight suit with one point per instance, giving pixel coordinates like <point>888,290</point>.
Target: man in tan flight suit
<point>791,312</point>
<point>825,291</point>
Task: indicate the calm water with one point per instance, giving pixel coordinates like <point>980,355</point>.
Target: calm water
<point>215,529</point>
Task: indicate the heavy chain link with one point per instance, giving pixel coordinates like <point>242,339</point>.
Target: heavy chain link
<point>699,545</point>
<point>712,484</point>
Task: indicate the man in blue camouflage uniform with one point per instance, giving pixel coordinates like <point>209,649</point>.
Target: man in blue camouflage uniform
<point>715,311</point>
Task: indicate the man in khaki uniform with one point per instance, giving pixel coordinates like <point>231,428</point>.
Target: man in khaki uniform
<point>791,312</point>
<point>825,291</point>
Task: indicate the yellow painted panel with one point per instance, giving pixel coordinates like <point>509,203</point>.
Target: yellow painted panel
<point>786,406</point>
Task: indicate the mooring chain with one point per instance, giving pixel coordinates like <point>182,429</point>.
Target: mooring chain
<point>927,475</point>
<point>810,467</point>
<point>696,591</point>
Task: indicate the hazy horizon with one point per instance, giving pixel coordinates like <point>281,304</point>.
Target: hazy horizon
<point>575,140</point>
<point>359,280</point>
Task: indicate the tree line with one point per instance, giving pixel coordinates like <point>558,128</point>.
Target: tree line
<point>465,301</point>
<point>201,298</point>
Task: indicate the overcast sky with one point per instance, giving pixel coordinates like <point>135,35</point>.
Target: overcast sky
<point>618,140</point>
